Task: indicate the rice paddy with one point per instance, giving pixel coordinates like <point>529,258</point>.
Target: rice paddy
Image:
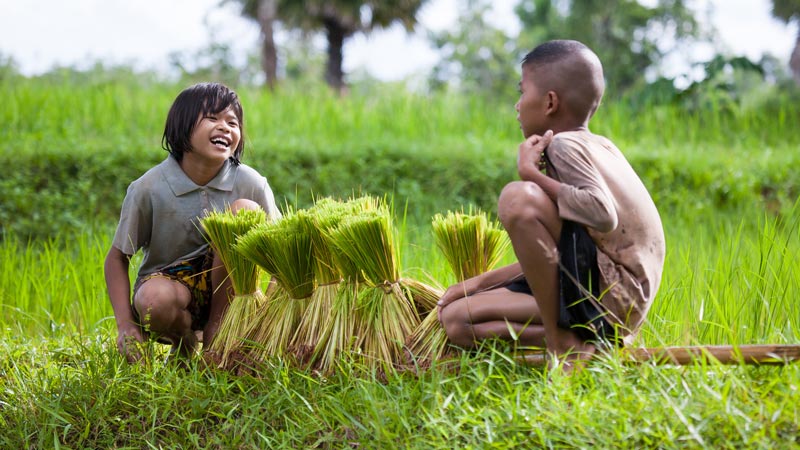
<point>732,277</point>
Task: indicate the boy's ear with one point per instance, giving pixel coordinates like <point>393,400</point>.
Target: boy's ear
<point>552,103</point>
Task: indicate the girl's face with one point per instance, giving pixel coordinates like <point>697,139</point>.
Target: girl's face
<point>216,136</point>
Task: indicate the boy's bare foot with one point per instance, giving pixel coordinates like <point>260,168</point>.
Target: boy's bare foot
<point>570,353</point>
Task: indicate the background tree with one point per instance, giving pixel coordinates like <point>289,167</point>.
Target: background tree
<point>627,36</point>
<point>478,56</point>
<point>339,19</point>
<point>788,11</point>
<point>264,12</point>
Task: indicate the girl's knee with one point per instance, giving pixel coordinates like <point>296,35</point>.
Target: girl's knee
<point>244,203</point>
<point>158,299</point>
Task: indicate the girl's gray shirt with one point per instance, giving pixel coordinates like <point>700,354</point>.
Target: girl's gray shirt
<point>161,211</point>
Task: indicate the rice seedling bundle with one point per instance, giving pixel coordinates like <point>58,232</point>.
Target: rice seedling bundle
<point>338,335</point>
<point>222,228</point>
<point>284,250</point>
<point>472,244</point>
<point>325,214</point>
<point>384,314</point>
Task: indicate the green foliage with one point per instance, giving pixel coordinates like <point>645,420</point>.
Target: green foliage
<point>480,57</point>
<point>216,62</point>
<point>786,10</point>
<point>628,36</point>
<point>74,146</point>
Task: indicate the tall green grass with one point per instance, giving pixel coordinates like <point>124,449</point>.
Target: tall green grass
<point>76,145</point>
<point>726,281</point>
<point>106,116</point>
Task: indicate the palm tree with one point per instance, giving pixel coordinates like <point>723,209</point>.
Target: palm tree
<point>265,13</point>
<point>339,19</point>
<point>789,10</point>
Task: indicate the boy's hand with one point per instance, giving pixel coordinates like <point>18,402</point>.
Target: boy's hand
<point>531,154</point>
<point>129,343</point>
<point>453,293</point>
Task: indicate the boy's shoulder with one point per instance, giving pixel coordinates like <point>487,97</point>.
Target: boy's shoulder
<point>584,138</point>
<point>581,142</point>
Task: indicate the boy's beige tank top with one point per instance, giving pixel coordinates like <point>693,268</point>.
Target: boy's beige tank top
<point>601,190</point>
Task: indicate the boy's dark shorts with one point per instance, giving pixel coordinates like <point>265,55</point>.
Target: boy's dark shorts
<point>578,263</point>
<point>195,274</point>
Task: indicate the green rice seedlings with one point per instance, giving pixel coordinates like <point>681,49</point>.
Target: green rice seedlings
<point>472,244</point>
<point>338,335</point>
<point>325,215</point>
<point>284,250</point>
<point>384,314</point>
<point>222,229</point>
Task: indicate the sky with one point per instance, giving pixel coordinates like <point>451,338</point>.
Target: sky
<point>41,34</point>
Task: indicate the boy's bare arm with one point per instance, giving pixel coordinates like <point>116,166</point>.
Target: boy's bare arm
<point>531,153</point>
<point>490,280</point>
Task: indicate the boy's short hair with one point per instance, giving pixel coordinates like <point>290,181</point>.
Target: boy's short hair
<point>553,51</point>
<point>189,105</point>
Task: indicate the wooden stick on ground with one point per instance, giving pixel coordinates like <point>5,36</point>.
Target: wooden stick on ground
<point>760,354</point>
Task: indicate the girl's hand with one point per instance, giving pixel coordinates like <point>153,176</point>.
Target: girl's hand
<point>129,343</point>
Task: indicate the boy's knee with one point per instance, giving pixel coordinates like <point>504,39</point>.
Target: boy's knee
<point>457,327</point>
<point>522,202</point>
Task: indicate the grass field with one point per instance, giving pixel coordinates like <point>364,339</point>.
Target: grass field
<point>732,277</point>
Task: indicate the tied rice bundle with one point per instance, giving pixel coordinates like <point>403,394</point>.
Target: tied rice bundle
<point>222,229</point>
<point>325,215</point>
<point>472,244</point>
<point>338,337</point>
<point>384,314</point>
<point>284,250</point>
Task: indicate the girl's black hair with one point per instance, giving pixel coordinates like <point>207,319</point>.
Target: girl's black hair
<point>192,103</point>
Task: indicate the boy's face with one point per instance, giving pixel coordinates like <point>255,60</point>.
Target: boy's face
<point>532,105</point>
<point>216,136</point>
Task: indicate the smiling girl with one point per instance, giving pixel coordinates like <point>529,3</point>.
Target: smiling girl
<point>181,287</point>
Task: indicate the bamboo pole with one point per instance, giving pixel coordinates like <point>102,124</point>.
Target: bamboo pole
<point>758,354</point>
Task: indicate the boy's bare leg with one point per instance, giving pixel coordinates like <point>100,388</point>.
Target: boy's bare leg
<point>531,219</point>
<point>489,314</point>
<point>162,307</point>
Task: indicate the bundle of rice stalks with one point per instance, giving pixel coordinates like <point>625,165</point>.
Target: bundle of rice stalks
<point>384,314</point>
<point>325,215</point>
<point>284,250</point>
<point>472,244</point>
<point>222,229</point>
<point>338,334</point>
